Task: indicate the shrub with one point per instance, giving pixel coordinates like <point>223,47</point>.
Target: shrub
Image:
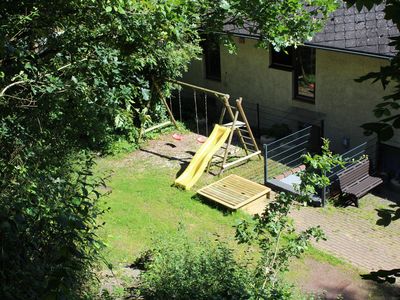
<point>48,244</point>
<point>180,269</point>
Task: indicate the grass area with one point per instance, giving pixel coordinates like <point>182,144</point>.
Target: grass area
<point>143,207</point>
<point>325,257</point>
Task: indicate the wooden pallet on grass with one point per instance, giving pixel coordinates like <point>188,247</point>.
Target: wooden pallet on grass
<point>234,191</point>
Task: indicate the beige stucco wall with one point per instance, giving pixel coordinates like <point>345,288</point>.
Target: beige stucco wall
<point>345,103</point>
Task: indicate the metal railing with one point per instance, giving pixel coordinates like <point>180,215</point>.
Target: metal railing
<point>263,117</point>
<point>285,153</point>
<point>351,156</point>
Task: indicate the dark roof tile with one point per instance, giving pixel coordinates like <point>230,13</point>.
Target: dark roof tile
<point>350,35</point>
<point>349,11</point>
<point>359,26</point>
<point>384,48</point>
<point>365,31</point>
<point>339,36</point>
<point>350,26</point>
<point>340,27</point>
<point>370,16</point>
<point>349,19</point>
<point>339,20</point>
<point>360,33</point>
<point>360,17</point>
<point>329,28</point>
<point>350,43</point>
<point>361,42</point>
<point>380,15</point>
<point>348,29</point>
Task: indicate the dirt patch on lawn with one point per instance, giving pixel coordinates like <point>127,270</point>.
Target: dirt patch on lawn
<point>338,282</point>
<point>164,152</point>
<point>167,152</point>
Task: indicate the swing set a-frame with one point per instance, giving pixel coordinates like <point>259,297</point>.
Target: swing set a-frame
<point>238,126</point>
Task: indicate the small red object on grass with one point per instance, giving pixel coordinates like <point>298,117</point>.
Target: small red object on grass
<point>201,139</point>
<point>177,136</point>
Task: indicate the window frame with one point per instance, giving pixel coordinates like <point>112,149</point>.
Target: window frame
<point>278,66</point>
<point>207,52</point>
<point>295,82</point>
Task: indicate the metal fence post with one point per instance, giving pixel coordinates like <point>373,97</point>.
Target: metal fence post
<point>323,196</point>
<point>258,120</point>
<point>265,163</point>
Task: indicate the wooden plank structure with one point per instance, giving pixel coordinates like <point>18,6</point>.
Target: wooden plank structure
<point>234,191</point>
<point>239,125</point>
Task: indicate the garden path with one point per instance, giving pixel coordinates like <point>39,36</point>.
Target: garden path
<point>352,234</point>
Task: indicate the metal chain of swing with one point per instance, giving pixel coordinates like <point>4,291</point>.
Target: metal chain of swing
<point>170,105</point>
<point>195,110</point>
<point>180,105</point>
<point>206,113</point>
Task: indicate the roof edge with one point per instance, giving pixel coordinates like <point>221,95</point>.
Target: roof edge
<point>317,46</point>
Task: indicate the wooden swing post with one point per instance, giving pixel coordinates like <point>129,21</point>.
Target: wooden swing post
<point>171,116</point>
<point>242,129</point>
<point>239,125</point>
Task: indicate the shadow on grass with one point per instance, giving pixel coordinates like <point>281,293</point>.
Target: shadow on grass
<point>343,201</point>
<point>183,161</point>
<point>182,168</point>
<point>224,210</point>
<point>347,290</point>
<point>170,158</point>
<point>386,217</point>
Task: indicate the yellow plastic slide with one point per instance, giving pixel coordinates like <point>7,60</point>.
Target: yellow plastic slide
<point>200,160</point>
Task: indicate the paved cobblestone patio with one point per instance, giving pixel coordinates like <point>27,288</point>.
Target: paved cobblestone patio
<point>352,233</point>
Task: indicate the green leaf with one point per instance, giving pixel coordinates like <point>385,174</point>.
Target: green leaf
<point>396,122</point>
<point>224,5</point>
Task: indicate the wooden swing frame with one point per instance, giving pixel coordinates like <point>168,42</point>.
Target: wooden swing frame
<point>240,127</point>
<point>169,112</point>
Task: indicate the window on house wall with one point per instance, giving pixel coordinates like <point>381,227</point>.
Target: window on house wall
<point>282,60</point>
<point>304,74</point>
<point>212,58</point>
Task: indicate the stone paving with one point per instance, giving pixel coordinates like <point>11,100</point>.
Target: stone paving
<point>352,234</point>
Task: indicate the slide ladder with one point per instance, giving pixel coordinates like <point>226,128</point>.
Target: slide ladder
<point>239,125</point>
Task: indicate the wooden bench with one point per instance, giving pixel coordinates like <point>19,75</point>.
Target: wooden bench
<point>356,181</point>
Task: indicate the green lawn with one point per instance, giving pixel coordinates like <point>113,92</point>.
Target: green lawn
<point>144,206</point>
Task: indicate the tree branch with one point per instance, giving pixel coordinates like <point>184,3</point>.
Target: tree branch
<point>10,86</point>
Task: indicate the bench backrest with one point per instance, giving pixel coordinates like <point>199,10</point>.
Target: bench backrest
<point>353,173</point>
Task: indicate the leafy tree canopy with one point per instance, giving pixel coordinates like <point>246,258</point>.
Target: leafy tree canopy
<point>75,75</point>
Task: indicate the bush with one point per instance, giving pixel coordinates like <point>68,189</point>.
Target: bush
<point>180,269</point>
<point>47,232</point>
